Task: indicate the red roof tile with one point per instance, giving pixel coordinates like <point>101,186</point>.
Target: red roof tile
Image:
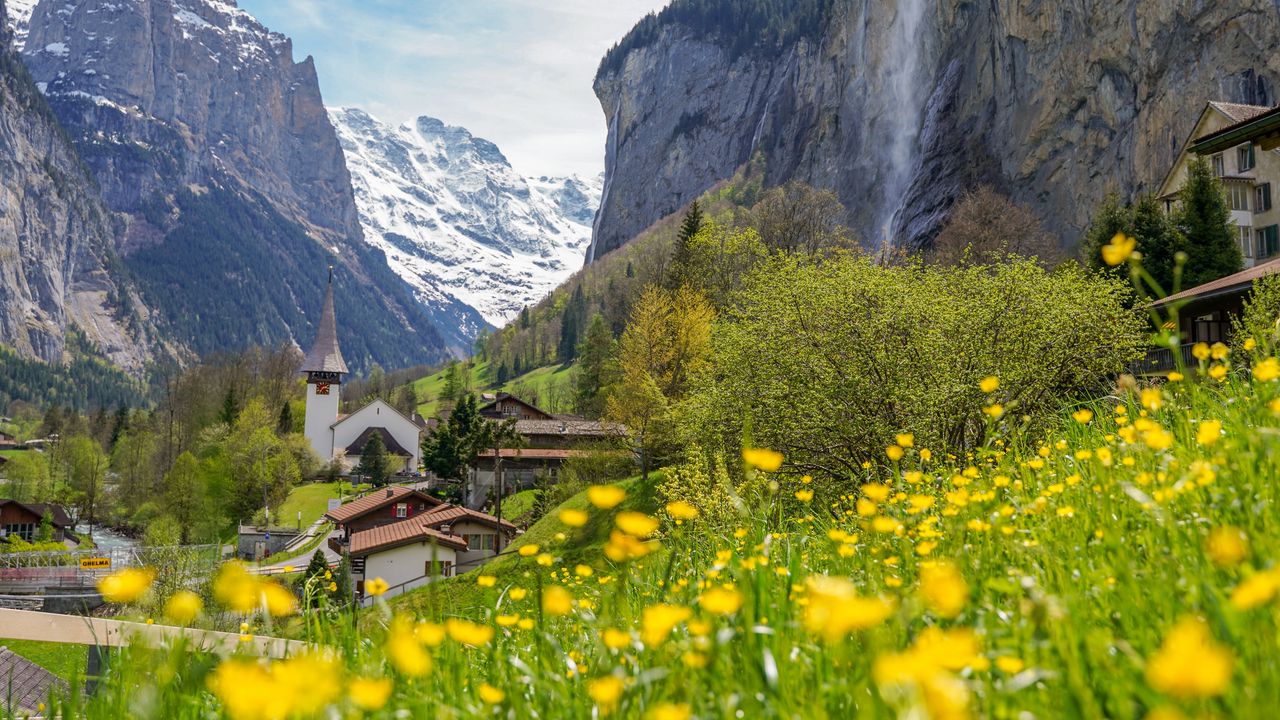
<point>453,513</point>
<point>376,499</point>
<point>1240,281</point>
<point>402,533</point>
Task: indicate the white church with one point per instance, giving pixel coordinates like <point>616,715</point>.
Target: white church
<point>343,437</point>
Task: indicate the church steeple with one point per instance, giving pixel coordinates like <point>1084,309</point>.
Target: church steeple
<point>325,356</point>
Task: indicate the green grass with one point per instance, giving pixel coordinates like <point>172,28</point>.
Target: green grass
<point>311,499</point>
<point>65,660</point>
<point>514,506</point>
<point>303,553</point>
<point>430,387</point>
<point>552,385</point>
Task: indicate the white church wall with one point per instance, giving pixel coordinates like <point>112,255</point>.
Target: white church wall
<point>378,414</point>
<point>322,411</point>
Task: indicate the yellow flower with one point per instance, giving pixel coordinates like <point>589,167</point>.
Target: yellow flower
<point>468,633</point>
<point>636,524</point>
<point>406,654</point>
<point>1200,351</point>
<point>1219,351</point>
<point>556,601</point>
<point>670,711</point>
<point>1209,432</point>
<point>763,459</point>
<point>428,633</point>
<point>518,594</point>
<point>681,510</point>
<point>657,622</point>
<point>876,491</point>
<point>1258,589</point>
<point>1227,546</point>
<point>835,610</point>
<point>247,692</point>
<point>943,589</point>
<point>615,639</point>
<point>1267,370</point>
<point>1009,664</point>
<point>606,497</point>
<point>375,587</point>
<point>506,620</point>
<point>720,601</point>
<point>1250,344</point>
<point>1118,250</point>
<point>1152,398</point>
<point>1157,438</point>
<point>127,585</point>
<point>487,581</point>
<point>528,550</point>
<point>491,695</point>
<point>236,589</point>
<point>996,411</point>
<point>905,440</point>
<point>1083,416</point>
<point>183,607</point>
<point>333,587</point>
<point>584,571</point>
<point>369,693</point>
<point>894,453</point>
<point>1190,664</point>
<point>926,454</point>
<point>1175,376</point>
<point>278,600</point>
<point>573,518</point>
<point>804,495</point>
<point>1218,372</point>
<point>606,692</point>
<point>989,384</point>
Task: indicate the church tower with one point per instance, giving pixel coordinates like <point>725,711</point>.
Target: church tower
<point>324,367</point>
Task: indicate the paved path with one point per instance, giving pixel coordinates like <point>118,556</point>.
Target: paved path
<point>300,562</point>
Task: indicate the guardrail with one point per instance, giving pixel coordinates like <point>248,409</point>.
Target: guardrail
<point>1161,361</point>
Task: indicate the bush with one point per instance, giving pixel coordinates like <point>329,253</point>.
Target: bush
<point>1260,320</point>
<point>902,349</point>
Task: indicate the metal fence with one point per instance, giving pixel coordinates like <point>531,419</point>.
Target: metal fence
<point>1159,361</point>
<point>81,567</point>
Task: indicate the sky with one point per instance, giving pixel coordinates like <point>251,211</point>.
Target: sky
<point>516,72</point>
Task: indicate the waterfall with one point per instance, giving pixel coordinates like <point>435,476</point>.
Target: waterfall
<point>903,96</point>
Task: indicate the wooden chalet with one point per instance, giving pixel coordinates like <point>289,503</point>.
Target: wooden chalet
<point>23,520</point>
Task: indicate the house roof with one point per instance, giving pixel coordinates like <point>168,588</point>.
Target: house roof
<point>1253,121</point>
<point>454,513</point>
<point>1239,113</point>
<point>325,356</point>
<point>375,500</point>
<point>357,446</point>
<point>24,685</point>
<point>536,453</point>
<point>579,428</point>
<point>57,512</point>
<point>1240,282</point>
<point>379,401</point>
<point>508,396</point>
<point>404,532</point>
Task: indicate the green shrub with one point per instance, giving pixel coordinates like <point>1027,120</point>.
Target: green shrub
<point>1260,320</point>
<point>826,362</point>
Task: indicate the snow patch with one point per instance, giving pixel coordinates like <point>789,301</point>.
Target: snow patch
<point>57,49</point>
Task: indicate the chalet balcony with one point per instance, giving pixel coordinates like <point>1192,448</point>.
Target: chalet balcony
<point>1162,361</point>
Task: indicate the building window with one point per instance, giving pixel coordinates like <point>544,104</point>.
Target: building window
<point>402,510</point>
<point>443,568</point>
<point>1219,165</point>
<point>1244,157</point>
<point>1262,198</point>
<point>1246,240</point>
<point>26,531</point>
<point>1268,241</point>
<point>482,541</point>
<point>1239,196</point>
<point>1208,328</point>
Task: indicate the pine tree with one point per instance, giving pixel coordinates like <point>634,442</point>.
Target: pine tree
<point>345,594</point>
<point>284,425</point>
<point>682,257</point>
<point>597,367</point>
<point>121,423</point>
<point>1158,239</point>
<point>229,409</point>
<point>374,463</point>
<point>1205,221</point>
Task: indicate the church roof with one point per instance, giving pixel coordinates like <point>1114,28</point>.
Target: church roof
<point>325,355</point>
<point>388,441</point>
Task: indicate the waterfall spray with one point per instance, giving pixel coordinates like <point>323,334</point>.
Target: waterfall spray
<point>903,99</point>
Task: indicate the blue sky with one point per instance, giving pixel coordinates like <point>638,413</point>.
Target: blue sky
<point>517,72</point>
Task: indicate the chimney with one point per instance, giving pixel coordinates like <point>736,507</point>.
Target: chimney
<point>390,492</point>
<point>445,528</point>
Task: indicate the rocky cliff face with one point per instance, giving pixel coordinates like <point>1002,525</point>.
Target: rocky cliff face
<point>899,105</point>
<point>475,239</point>
<point>55,236</point>
<point>215,149</point>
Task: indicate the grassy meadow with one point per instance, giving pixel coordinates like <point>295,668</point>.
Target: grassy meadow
<point>1123,565</point>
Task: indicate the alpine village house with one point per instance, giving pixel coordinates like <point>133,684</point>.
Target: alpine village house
<point>1242,143</point>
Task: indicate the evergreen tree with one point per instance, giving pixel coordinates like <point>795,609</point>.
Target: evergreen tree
<point>374,463</point>
<point>504,373</point>
<point>1205,221</point>
<point>597,368</point>
<point>284,425</point>
<point>682,256</point>
<point>524,318</point>
<point>54,421</point>
<point>229,409</point>
<point>345,594</point>
<point>120,424</point>
<point>1158,239</point>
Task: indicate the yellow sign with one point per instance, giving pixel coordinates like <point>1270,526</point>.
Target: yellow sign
<point>95,563</point>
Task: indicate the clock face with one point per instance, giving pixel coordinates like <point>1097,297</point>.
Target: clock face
<point>322,388</point>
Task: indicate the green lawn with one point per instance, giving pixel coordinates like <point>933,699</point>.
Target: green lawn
<point>430,387</point>
<point>513,506</point>
<point>552,385</point>
<point>62,659</point>
<point>311,499</point>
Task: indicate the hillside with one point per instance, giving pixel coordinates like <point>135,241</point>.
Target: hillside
<point>900,106</point>
<point>549,387</point>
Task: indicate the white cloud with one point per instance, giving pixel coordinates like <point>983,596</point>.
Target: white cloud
<point>517,72</point>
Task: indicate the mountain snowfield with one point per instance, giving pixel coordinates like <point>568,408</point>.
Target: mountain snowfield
<point>457,222</point>
<point>19,19</point>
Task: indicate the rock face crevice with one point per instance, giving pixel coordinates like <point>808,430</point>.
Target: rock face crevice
<point>55,236</point>
<point>1055,104</point>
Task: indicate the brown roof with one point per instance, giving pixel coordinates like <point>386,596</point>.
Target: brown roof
<point>487,409</point>
<point>1239,282</point>
<point>404,532</point>
<point>24,685</point>
<point>56,512</point>
<point>376,499</point>
<point>453,513</point>
<point>388,441</point>
<point>1239,113</point>
<point>325,356</point>
<point>536,453</point>
<point>576,428</point>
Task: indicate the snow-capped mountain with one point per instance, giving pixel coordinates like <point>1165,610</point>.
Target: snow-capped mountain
<point>19,19</point>
<point>456,221</point>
